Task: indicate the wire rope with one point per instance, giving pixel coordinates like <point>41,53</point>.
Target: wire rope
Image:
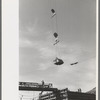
<point>58,45</point>
<point>54,26</point>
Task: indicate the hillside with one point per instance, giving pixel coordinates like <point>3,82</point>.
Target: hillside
<point>93,91</point>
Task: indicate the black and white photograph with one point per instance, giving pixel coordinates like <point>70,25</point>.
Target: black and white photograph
<point>57,50</point>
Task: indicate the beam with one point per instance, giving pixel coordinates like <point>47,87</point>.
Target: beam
<point>36,89</point>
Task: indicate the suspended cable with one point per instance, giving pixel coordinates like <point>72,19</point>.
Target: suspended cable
<point>56,17</point>
<point>54,28</point>
<point>57,60</point>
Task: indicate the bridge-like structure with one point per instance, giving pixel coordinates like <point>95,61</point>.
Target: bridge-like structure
<point>56,94</point>
<point>37,89</point>
<point>29,86</point>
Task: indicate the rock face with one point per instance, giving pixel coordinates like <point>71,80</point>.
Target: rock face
<point>93,91</point>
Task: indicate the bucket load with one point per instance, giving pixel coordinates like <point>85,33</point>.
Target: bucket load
<point>58,61</point>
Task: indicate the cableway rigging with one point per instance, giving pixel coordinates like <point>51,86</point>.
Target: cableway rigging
<point>57,60</point>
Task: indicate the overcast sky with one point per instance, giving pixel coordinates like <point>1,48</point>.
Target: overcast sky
<point>76,22</point>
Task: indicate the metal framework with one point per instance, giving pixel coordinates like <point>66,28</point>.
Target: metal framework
<point>65,94</point>
<point>29,86</point>
<point>56,94</point>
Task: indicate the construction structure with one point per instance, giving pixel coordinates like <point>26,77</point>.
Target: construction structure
<point>55,94</point>
<point>65,94</point>
<point>30,86</point>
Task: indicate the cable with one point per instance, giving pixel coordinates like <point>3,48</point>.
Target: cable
<point>54,20</point>
<point>56,17</point>
<point>56,29</point>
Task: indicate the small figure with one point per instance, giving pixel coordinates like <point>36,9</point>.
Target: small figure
<point>53,11</point>
<point>79,90</point>
<point>58,61</point>
<point>42,83</point>
<point>42,87</point>
<point>55,35</point>
<point>56,38</point>
<point>74,63</point>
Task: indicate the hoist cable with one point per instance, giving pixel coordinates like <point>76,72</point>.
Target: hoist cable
<point>54,24</point>
<point>56,17</point>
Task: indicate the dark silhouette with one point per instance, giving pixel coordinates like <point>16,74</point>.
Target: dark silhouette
<point>52,10</point>
<point>55,35</point>
<point>74,63</point>
<point>58,61</point>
